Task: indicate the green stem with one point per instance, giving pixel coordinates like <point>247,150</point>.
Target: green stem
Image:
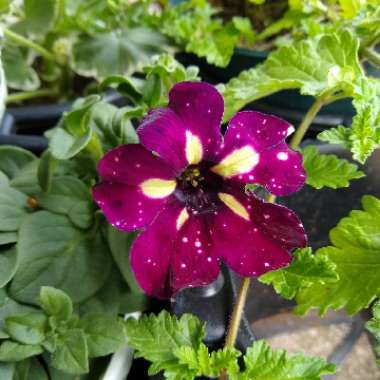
<point>20,96</point>
<point>306,122</point>
<point>372,56</point>
<point>22,41</point>
<point>242,295</point>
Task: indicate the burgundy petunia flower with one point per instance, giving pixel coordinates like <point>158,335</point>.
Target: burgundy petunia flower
<point>185,185</point>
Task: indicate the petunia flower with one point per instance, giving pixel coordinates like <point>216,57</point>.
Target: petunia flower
<point>184,186</point>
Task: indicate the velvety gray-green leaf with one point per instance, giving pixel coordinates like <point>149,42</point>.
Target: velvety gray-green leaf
<point>71,197</point>
<point>53,252</point>
<point>8,264</point>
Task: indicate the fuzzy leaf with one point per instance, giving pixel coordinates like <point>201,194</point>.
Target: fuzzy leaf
<point>69,196</point>
<point>52,252</point>
<point>28,328</point>
<point>19,72</point>
<point>263,363</point>
<point>104,334</point>
<point>14,159</point>
<point>355,251</point>
<point>156,337</point>
<point>327,170</point>
<point>14,352</point>
<point>71,355</point>
<point>8,263</point>
<point>55,303</point>
<point>13,208</point>
<point>294,66</point>
<point>40,15</point>
<point>305,270</point>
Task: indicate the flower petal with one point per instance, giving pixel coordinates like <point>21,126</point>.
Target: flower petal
<point>163,132</point>
<point>254,151</point>
<point>260,243</point>
<point>278,223</point>
<point>280,170</point>
<point>177,256</point>
<point>126,207</point>
<point>256,129</point>
<point>189,129</point>
<point>133,164</point>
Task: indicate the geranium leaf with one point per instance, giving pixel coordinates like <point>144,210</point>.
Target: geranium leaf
<point>40,15</point>
<point>7,237</point>
<point>156,337</point>
<point>294,66</point>
<point>364,135</point>
<point>263,363</point>
<point>305,270</point>
<point>71,197</point>
<point>355,251</point>
<point>120,52</point>
<point>327,170</point>
<point>53,252</point>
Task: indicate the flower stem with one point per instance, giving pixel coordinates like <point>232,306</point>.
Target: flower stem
<point>20,96</point>
<point>306,122</point>
<point>22,41</point>
<point>237,313</point>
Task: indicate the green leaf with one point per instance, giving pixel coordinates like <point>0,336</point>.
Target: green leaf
<point>263,363</point>
<point>7,237</point>
<point>30,369</point>
<point>13,208</point>
<point>8,265</point>
<point>156,337</point>
<point>14,159</point>
<point>71,355</point>
<point>74,132</point>
<point>27,329</point>
<point>120,244</point>
<point>40,15</point>
<point>198,362</point>
<point>351,8</point>
<point>305,270</point>
<point>339,135</point>
<point>374,325</point>
<point>4,180</point>
<point>192,24</point>
<point>105,334</point>
<point>19,72</point>
<point>46,170</point>
<point>355,251</point>
<point>10,307</point>
<point>7,371</point>
<point>64,146</point>
<point>52,252</point>
<point>55,302</point>
<point>71,197</point>
<point>327,170</point>
<point>119,52</point>
<point>293,66</point>
<point>14,352</point>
